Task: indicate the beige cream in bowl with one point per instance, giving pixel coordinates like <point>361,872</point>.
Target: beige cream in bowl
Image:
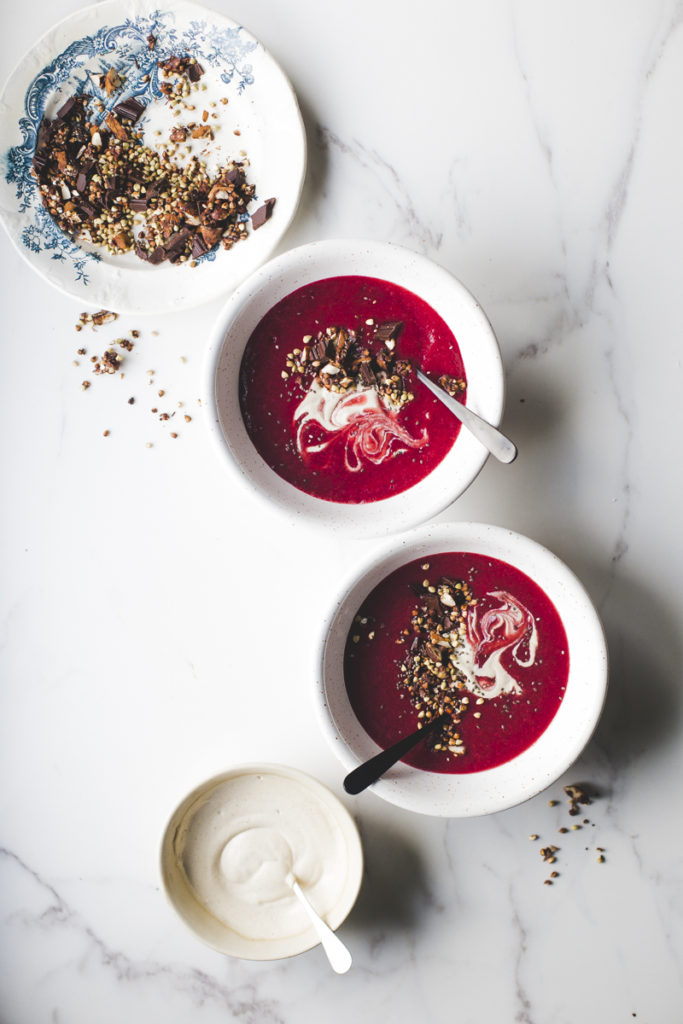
<point>230,844</point>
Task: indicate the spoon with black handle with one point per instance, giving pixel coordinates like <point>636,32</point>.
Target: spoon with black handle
<point>370,771</point>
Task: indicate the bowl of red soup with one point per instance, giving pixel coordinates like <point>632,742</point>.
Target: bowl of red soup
<point>312,389</point>
<point>484,627</point>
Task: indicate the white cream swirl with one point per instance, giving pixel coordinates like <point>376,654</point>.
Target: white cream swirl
<point>369,430</point>
<point>490,635</point>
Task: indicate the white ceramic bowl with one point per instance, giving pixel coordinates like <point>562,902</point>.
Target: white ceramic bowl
<point>453,795</point>
<point>313,262</point>
<point>310,795</point>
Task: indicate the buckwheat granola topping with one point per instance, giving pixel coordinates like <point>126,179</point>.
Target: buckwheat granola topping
<point>103,185</point>
<point>430,673</point>
<point>340,359</point>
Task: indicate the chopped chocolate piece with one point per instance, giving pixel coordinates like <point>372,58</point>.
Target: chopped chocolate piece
<point>151,41</point>
<point>67,108</point>
<point>85,173</point>
<point>130,109</point>
<point>97,183</point>
<point>178,134</point>
<point>264,213</point>
<point>366,375</point>
<point>157,255</point>
<point>318,350</point>
<point>176,247</point>
<point>388,330</point>
<point>432,605</point>
<point>199,246</point>
<point>87,209</point>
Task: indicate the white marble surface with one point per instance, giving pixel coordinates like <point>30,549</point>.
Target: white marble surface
<point>535,150</point>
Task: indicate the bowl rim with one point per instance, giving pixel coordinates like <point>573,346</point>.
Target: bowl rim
<point>496,789</point>
<point>398,512</point>
<point>292,945</point>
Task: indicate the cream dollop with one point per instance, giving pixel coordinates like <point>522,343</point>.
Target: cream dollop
<point>237,843</point>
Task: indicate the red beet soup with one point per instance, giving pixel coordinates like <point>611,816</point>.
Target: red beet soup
<point>463,634</point>
<point>329,396</point>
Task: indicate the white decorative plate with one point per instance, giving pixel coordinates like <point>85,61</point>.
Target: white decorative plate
<point>261,107</point>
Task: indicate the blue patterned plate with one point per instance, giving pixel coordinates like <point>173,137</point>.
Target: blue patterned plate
<point>260,123</point>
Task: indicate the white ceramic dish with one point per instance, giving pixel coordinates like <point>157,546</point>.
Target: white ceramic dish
<point>318,260</point>
<point>312,799</point>
<point>546,759</point>
<point>261,106</point>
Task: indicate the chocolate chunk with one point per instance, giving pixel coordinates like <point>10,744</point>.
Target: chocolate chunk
<point>194,72</point>
<point>366,375</point>
<point>157,255</point>
<point>138,204</point>
<point>264,213</point>
<point>387,330</point>
<point>143,254</point>
<point>151,41</point>
<point>176,247</point>
<point>130,108</point>
<point>232,176</point>
<point>319,350</point>
<point>199,246</point>
<point>83,177</point>
<point>67,109</point>
<point>431,602</point>
<point>87,209</point>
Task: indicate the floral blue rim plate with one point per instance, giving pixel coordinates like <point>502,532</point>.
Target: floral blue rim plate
<point>249,99</point>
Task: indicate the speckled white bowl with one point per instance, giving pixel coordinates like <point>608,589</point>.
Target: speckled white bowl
<point>252,300</point>
<point>212,931</point>
<point>545,760</point>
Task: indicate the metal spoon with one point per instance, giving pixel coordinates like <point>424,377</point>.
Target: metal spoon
<point>499,445</point>
<point>370,771</point>
<point>337,953</point>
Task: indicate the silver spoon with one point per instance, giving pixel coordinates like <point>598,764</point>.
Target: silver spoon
<point>499,445</point>
<point>336,951</point>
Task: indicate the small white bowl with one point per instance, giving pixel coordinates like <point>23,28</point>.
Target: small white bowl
<point>313,800</point>
<point>463,795</point>
<point>314,262</point>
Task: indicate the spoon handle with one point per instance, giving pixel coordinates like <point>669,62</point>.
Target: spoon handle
<point>370,771</point>
<point>337,953</point>
<point>498,444</point>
